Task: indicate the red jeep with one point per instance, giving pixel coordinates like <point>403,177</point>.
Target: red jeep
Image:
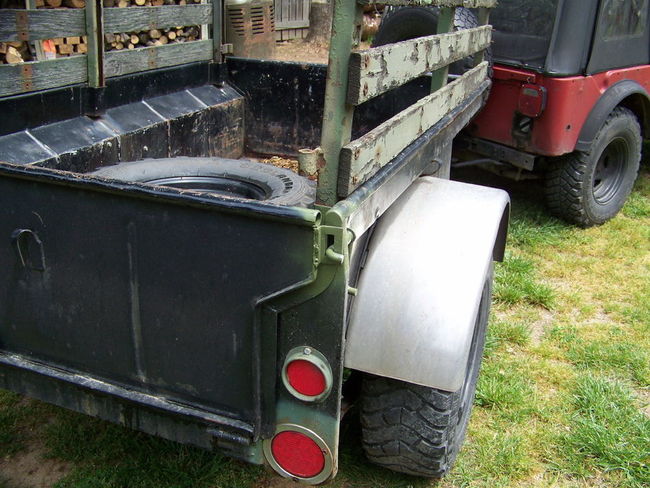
<point>569,101</point>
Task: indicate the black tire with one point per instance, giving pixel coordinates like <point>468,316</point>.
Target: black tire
<point>589,188</point>
<point>416,429</point>
<point>401,24</point>
<point>218,176</point>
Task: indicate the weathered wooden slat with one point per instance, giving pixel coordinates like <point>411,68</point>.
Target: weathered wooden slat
<point>23,25</point>
<point>294,24</point>
<point>436,3</point>
<point>146,18</point>
<point>41,75</point>
<point>118,63</point>
<point>361,158</point>
<point>379,69</point>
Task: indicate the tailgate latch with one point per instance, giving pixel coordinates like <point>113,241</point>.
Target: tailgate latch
<point>29,249</point>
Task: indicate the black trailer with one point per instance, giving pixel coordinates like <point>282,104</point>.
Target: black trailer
<point>200,296</point>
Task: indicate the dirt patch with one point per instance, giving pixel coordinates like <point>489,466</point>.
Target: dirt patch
<point>299,50</point>
<point>538,327</point>
<point>30,468</point>
<point>286,163</point>
<point>644,396</point>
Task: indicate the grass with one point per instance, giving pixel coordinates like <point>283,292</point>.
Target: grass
<point>608,434</point>
<point>562,401</point>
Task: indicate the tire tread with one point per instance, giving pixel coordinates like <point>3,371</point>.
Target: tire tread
<point>566,181</point>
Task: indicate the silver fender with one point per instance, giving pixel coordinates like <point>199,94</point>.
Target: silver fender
<point>420,287</point>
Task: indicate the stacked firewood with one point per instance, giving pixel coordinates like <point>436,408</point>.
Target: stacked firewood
<point>146,3</point>
<point>107,3</point>
<point>153,37</point>
<point>66,46</point>
<point>14,52</point>
<point>23,51</point>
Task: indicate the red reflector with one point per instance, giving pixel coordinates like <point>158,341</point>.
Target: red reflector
<point>297,454</point>
<point>306,378</point>
<point>532,100</point>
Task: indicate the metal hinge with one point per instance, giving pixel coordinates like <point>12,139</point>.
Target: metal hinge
<point>227,49</point>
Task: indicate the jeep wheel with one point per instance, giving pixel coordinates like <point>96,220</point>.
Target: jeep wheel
<point>235,178</point>
<point>416,429</point>
<point>589,188</point>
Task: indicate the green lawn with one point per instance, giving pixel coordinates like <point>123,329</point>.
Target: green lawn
<point>563,398</point>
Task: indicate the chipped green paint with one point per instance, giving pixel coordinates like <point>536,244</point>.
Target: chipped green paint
<point>377,70</point>
<point>440,77</point>
<point>483,19</point>
<point>363,157</point>
<point>337,116</point>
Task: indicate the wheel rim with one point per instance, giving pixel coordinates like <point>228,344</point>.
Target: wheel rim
<point>610,170</point>
<point>214,185</point>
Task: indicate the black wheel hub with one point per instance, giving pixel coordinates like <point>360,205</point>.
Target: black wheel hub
<point>214,185</point>
<point>610,171</point>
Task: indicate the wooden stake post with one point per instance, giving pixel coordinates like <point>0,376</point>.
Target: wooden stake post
<point>344,165</point>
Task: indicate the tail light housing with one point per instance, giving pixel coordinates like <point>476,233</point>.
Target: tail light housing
<point>306,374</point>
<point>532,100</point>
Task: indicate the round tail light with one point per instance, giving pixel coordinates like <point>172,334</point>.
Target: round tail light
<point>307,374</point>
<point>297,452</point>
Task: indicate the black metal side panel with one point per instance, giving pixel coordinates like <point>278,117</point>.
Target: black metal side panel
<point>284,104</point>
<point>202,121</point>
<point>153,293</point>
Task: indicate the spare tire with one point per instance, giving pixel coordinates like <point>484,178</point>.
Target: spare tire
<point>404,23</point>
<point>234,178</point>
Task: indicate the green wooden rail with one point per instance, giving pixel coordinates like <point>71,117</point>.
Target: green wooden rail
<point>342,165</point>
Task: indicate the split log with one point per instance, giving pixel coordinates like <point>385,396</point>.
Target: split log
<point>66,49</point>
<point>75,3</point>
<point>13,56</point>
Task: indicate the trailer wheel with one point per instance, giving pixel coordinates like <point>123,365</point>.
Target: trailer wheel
<point>401,24</point>
<point>589,188</point>
<point>419,430</point>
<point>218,176</point>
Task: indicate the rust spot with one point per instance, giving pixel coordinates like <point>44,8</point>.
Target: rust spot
<point>365,89</point>
<point>152,61</point>
<point>22,25</point>
<point>26,74</point>
<point>366,61</point>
